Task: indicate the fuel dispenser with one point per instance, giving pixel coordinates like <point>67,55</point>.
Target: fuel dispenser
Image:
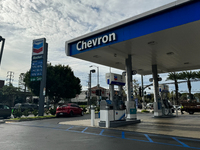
<point>115,109</point>
<point>166,105</point>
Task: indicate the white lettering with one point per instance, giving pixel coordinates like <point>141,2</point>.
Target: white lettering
<point>99,40</point>
<point>81,45</point>
<point>105,39</point>
<point>94,41</point>
<point>84,45</point>
<point>77,46</point>
<point>89,43</point>
<point>112,37</point>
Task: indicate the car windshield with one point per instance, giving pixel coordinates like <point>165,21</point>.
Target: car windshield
<point>6,107</point>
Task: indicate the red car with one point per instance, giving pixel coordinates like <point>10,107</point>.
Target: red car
<point>69,109</point>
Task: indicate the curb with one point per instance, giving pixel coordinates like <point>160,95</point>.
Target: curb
<point>8,120</point>
<point>2,121</point>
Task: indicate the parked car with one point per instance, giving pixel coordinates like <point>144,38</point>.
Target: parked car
<point>139,106</point>
<point>25,106</point>
<point>69,109</point>
<point>5,111</point>
<point>176,106</point>
<point>149,106</point>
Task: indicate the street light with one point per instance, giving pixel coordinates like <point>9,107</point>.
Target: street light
<point>97,81</point>
<point>2,46</point>
<point>97,74</point>
<point>89,97</point>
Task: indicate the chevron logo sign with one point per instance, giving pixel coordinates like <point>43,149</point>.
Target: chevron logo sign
<point>38,47</point>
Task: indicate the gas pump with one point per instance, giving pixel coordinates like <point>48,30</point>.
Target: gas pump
<point>114,108</point>
<point>115,104</point>
<point>166,105</point>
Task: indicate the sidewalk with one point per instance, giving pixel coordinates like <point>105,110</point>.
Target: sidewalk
<point>2,121</point>
<point>184,125</point>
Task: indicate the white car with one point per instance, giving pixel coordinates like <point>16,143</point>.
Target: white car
<point>149,106</point>
<point>177,106</point>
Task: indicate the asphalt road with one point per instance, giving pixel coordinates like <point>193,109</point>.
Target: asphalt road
<point>49,135</point>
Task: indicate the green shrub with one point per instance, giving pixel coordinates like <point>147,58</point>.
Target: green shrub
<point>97,109</point>
<point>52,111</point>
<point>17,113</point>
<point>145,111</point>
<point>84,109</point>
<point>26,113</point>
<point>47,112</point>
<point>35,112</point>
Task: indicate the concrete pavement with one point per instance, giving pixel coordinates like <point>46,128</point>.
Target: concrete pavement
<point>2,121</point>
<point>184,125</point>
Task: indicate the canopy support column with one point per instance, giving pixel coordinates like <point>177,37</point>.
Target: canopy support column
<point>130,103</point>
<point>157,100</point>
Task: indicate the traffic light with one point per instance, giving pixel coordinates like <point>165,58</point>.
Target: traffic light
<point>98,92</point>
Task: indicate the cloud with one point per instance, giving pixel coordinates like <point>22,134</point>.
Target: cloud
<point>59,21</point>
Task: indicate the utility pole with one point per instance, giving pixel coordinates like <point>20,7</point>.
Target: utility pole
<point>142,92</point>
<point>98,86</point>
<point>21,83</point>
<point>2,46</point>
<point>10,76</point>
<point>90,92</point>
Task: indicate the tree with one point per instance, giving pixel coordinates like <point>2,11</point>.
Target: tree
<point>174,76</point>
<point>198,74</point>
<point>188,75</point>
<point>60,84</point>
<point>8,94</point>
<point>136,87</point>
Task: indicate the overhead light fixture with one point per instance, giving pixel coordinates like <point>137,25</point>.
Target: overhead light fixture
<point>170,53</point>
<point>186,63</point>
<point>152,43</point>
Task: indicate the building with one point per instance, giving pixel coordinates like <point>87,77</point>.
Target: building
<point>82,97</point>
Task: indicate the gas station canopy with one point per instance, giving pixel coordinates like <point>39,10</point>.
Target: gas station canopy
<point>168,37</point>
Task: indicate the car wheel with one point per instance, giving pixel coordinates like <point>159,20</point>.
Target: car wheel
<point>71,113</point>
<point>82,113</point>
<point>191,112</point>
<point>57,116</point>
<point>5,117</point>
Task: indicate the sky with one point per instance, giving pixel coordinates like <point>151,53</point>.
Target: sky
<point>22,21</point>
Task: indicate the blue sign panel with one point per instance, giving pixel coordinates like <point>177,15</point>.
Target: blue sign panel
<point>38,56</point>
<point>36,68</point>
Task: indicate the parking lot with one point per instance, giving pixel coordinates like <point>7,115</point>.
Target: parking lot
<point>176,133</point>
<point>184,125</point>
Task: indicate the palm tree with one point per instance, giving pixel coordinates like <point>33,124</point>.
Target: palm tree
<point>198,74</point>
<point>188,75</point>
<point>174,76</point>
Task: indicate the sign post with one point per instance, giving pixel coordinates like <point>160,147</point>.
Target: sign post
<point>39,68</point>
